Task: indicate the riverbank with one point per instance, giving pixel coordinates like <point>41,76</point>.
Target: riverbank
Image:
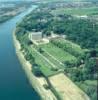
<point>10,14</point>
<point>36,82</point>
<point>12,9</point>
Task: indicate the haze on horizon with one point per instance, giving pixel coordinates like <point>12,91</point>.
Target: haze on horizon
<point>44,0</point>
<point>13,0</point>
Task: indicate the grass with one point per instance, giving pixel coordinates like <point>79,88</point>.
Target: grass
<point>91,82</point>
<point>88,85</point>
<point>72,48</point>
<point>76,11</point>
<point>58,53</point>
<point>53,60</point>
<point>49,1</point>
<point>45,66</point>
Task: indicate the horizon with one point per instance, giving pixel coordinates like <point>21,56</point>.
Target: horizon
<point>13,0</point>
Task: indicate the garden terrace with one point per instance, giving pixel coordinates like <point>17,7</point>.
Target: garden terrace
<point>68,46</point>
<point>58,54</point>
<point>45,66</point>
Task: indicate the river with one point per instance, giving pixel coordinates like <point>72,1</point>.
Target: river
<point>13,82</point>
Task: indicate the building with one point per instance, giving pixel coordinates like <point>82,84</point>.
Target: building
<point>35,35</point>
<point>38,39</point>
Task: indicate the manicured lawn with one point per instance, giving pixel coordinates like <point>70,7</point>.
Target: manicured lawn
<point>76,11</point>
<point>58,53</point>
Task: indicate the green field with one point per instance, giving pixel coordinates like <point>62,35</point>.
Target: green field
<point>89,87</point>
<point>91,82</point>
<point>48,1</point>
<point>58,53</point>
<point>58,64</point>
<point>68,46</point>
<point>76,11</point>
<point>45,66</point>
<point>52,57</point>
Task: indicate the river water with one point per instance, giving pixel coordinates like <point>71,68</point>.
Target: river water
<point>13,82</point>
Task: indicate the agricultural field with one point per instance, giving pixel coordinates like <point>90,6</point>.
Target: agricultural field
<point>66,89</point>
<point>55,61</point>
<point>45,66</point>
<point>76,11</point>
<point>68,46</point>
<point>49,1</point>
<point>58,53</point>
